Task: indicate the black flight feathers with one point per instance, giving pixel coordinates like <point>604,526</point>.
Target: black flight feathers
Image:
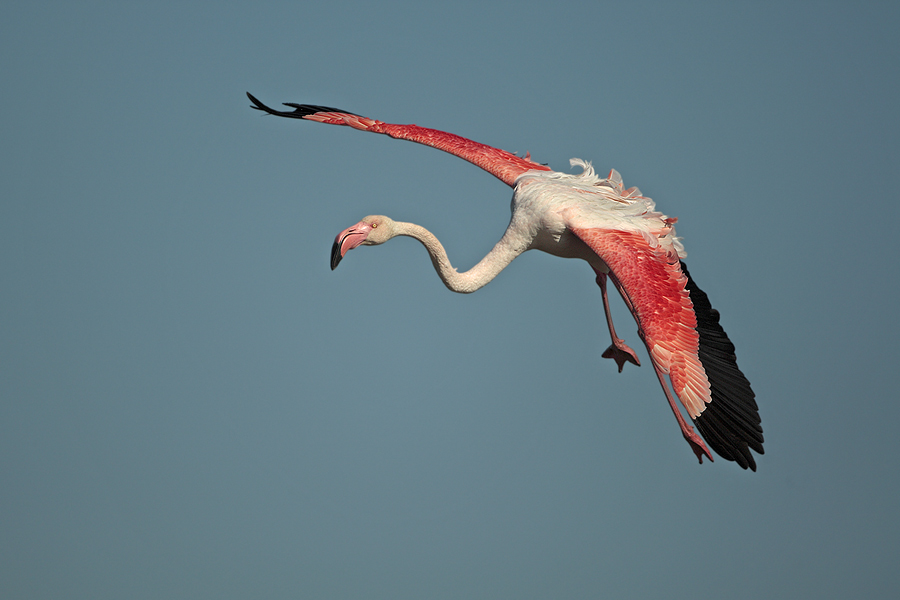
<point>300,110</point>
<point>730,423</point>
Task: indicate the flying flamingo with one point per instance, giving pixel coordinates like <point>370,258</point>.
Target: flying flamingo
<point>621,236</point>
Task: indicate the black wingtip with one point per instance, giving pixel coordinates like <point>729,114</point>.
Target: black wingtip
<point>259,105</point>
<point>300,110</point>
<point>730,423</point>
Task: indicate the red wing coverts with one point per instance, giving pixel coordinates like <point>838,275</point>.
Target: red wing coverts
<point>504,165</point>
<point>731,422</point>
<point>653,284</point>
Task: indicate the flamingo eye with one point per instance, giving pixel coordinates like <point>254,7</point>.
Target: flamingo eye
<point>374,225</point>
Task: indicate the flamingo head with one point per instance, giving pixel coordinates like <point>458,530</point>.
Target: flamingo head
<point>371,231</point>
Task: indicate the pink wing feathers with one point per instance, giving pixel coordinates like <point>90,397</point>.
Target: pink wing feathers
<point>653,285</point>
<point>499,163</point>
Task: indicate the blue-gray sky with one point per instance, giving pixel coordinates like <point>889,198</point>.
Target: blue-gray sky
<point>192,405</point>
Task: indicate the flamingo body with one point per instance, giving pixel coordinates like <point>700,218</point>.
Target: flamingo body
<point>621,235</point>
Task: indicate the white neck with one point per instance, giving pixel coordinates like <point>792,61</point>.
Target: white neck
<point>478,276</point>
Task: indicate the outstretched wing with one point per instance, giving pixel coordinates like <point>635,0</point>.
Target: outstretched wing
<point>500,163</point>
<point>682,333</point>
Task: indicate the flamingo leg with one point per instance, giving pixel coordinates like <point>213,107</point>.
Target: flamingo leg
<point>693,439</point>
<point>619,350</point>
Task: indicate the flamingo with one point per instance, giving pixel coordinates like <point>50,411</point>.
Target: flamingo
<point>625,240</point>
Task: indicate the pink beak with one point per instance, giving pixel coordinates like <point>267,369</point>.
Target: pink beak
<point>347,240</point>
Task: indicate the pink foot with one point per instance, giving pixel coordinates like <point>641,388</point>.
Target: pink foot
<point>620,352</point>
<point>697,444</point>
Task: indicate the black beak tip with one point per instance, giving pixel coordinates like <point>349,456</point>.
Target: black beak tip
<point>335,256</point>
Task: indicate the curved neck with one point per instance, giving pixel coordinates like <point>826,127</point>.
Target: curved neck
<point>478,276</point>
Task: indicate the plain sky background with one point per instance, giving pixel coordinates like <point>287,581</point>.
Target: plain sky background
<point>192,405</point>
